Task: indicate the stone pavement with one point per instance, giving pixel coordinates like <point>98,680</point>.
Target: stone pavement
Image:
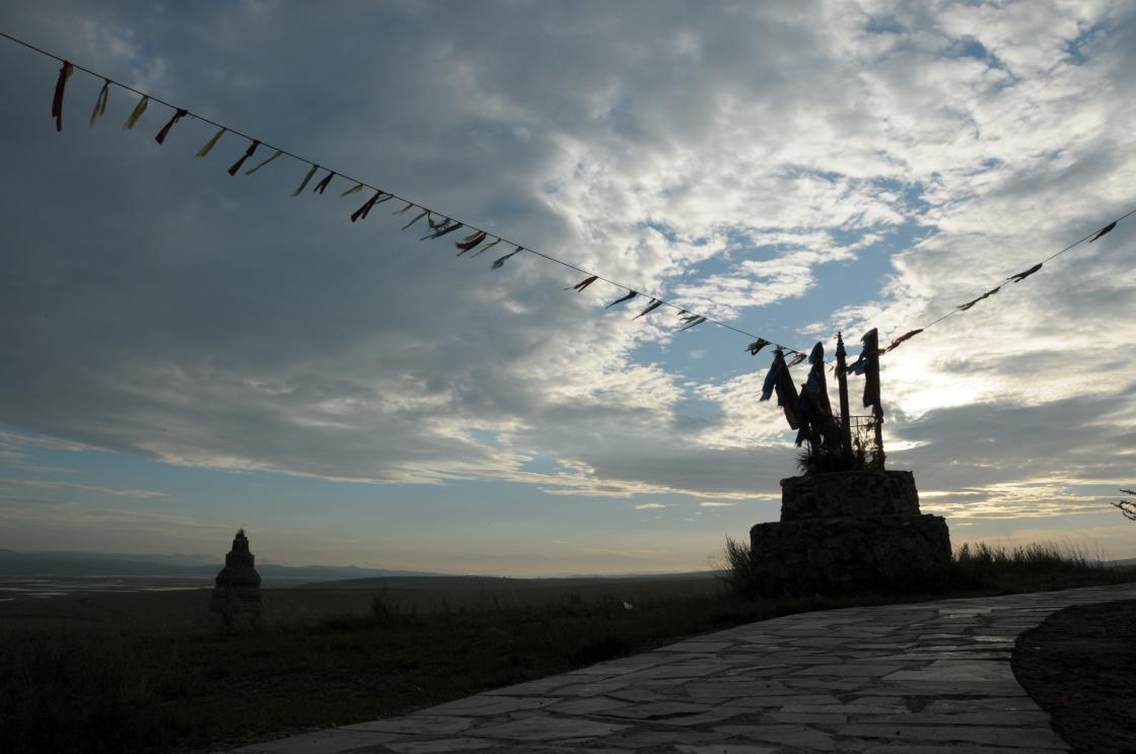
<point>918,678</point>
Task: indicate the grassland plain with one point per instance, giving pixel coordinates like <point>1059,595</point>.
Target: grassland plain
<point>149,672</point>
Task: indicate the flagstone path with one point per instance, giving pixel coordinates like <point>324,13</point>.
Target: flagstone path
<point>919,678</point>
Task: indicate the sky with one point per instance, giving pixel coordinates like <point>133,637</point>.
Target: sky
<point>183,352</point>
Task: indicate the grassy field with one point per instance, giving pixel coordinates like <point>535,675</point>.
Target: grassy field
<point>149,672</point>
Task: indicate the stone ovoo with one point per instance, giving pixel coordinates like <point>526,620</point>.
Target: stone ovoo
<point>236,594</point>
<point>849,531</point>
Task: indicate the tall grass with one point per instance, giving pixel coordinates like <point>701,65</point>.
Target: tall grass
<point>978,567</point>
<point>735,569</point>
<point>1036,566</point>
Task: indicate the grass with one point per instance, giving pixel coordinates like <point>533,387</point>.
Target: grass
<point>145,672</point>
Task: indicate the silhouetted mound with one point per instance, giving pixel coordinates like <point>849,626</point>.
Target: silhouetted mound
<point>1080,666</point>
<point>236,594</point>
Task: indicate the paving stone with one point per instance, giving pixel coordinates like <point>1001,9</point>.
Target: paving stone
<point>440,745</point>
<point>600,705</point>
<point>727,689</point>
<point>539,687</point>
<point>547,728</point>
<point>653,710</point>
<point>331,741</point>
<point>725,749</point>
<point>807,718</point>
<point>486,705</point>
<point>850,669</point>
<point>788,735</point>
<point>438,725</point>
<point>884,707</point>
<point>1012,704</point>
<point>698,646</point>
<point>919,749</point>
<point>719,714</point>
<point>985,717</point>
<point>638,695</point>
<point>1032,738</point>
<point>956,670</point>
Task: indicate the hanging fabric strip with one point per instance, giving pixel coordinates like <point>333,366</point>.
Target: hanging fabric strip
<point>499,263</point>
<point>409,206</point>
<point>436,225</point>
<point>814,407</point>
<point>248,153</point>
<point>469,242</point>
<point>1023,275</point>
<point>692,324</point>
<point>362,211</point>
<point>304,183</point>
<point>583,284</point>
<point>871,369</point>
<point>264,162</point>
<point>211,143</point>
<point>770,382</point>
<point>969,304</point>
<point>101,102</point>
<point>630,295</point>
<point>756,346</point>
<point>1103,231</point>
<point>443,230</point>
<point>858,366</point>
<point>322,185</point>
<point>417,217</point>
<point>797,359</point>
<point>57,99</point>
<point>161,137</point>
<point>352,190</point>
<point>484,249</point>
<point>902,338</point>
<point>780,380</point>
<point>136,113</point>
<point>655,304</point>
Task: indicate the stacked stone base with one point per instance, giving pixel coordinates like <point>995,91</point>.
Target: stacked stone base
<point>817,547</point>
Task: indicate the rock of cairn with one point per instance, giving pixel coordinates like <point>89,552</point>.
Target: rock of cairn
<point>850,531</point>
<point>236,594</point>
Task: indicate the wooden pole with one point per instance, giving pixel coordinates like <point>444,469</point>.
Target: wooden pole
<point>842,381</point>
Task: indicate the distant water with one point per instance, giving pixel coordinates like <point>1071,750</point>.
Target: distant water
<point>23,587</point>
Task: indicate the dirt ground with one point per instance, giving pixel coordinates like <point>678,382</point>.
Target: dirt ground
<point>1080,666</point>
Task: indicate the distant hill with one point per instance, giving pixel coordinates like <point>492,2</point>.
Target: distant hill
<point>57,564</point>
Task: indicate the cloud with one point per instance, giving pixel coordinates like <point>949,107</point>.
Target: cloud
<point>870,164</point>
<point>650,507</point>
<point>77,487</point>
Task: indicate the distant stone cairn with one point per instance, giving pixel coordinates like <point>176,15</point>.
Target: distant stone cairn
<point>850,531</point>
<point>236,594</point>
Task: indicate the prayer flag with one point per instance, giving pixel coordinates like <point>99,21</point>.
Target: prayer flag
<point>161,137</point>
<point>136,113</point>
<point>248,153</point>
<point>630,295</point>
<point>101,102</point>
<point>211,143</point>
<point>65,72</point>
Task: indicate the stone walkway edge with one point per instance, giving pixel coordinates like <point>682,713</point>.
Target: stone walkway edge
<point>916,678</point>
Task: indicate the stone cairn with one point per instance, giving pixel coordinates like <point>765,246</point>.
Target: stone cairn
<point>236,594</point>
<point>850,531</point>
